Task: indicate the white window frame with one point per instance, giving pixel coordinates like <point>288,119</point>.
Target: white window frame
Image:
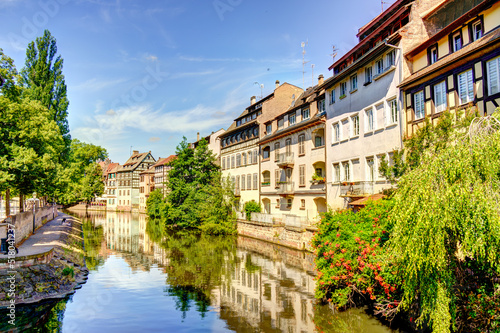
<point>467,95</point>
<point>336,132</point>
<point>370,171</point>
<point>346,171</point>
<point>392,111</point>
<point>493,75</point>
<point>290,117</point>
<point>332,96</point>
<point>419,105</point>
<point>454,39</point>
<point>354,83</point>
<point>369,123</point>
<point>440,96</point>
<point>343,88</point>
<point>368,74</point>
<point>337,177</point>
<point>433,54</point>
<point>354,120</point>
<point>379,66</point>
<point>475,31</point>
<point>390,59</point>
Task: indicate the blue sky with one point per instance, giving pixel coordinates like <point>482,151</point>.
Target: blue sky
<point>146,73</point>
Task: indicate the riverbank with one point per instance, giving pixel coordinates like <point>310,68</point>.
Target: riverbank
<point>50,264</point>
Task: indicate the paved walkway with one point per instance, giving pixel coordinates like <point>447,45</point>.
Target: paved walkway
<point>44,239</point>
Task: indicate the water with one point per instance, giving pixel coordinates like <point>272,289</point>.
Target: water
<point>145,280</point>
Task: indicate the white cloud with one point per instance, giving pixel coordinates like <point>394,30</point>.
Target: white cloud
<point>95,84</point>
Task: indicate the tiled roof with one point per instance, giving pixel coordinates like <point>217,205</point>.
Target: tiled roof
<point>133,162</point>
<point>165,160</point>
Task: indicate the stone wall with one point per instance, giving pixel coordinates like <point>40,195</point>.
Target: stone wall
<point>293,237</point>
<point>24,221</point>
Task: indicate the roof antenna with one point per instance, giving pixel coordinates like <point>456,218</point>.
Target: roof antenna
<point>304,62</point>
<point>312,75</point>
<point>382,2</point>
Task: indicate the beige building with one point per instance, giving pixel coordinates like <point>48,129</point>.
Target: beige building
<point>128,180</point>
<point>146,186</point>
<point>161,169</point>
<point>239,144</point>
<point>110,185</point>
<point>292,164</point>
<point>213,141</point>
<point>457,66</point>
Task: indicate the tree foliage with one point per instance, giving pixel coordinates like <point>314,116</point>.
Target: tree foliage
<point>446,218</point>
<point>251,207</point>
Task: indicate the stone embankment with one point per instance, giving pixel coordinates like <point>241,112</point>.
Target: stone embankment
<point>50,264</point>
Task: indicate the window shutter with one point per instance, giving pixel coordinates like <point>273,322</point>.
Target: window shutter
<point>302,176</point>
<point>493,84</point>
<point>470,86</point>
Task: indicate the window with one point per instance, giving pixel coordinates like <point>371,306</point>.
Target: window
<point>238,123</point>
<point>465,87</point>
<point>269,128</point>
<point>370,169</point>
<point>456,41</point>
<point>256,179</point>
<point>255,153</point>
<point>321,106</point>
<point>389,58</point>
<point>355,125</point>
<point>302,149</point>
<point>393,111</point>
<point>277,176</point>
<point>369,120</point>
<point>244,159</point>
<point>302,175</point>
<point>249,182</point>
<point>243,182</point>
<point>319,172</point>
<point>318,141</point>
<point>305,114</point>
<point>288,203</point>
<point>347,171</point>
<point>354,83</point>
<point>336,132</point>
<point>276,151</point>
<point>379,67</point>
<point>266,178</point>
<point>332,96</point>
<point>265,153</point>
<point>291,119</point>
<point>343,89</point>
<point>223,163</point>
<point>419,106</point>
<point>440,96</point>
<point>237,183</point>
<point>433,54</point>
<point>493,72</point>
<point>288,146</point>
<point>303,206</point>
<point>477,30</point>
<point>238,160</point>
<point>336,173</point>
<point>281,123</point>
<point>368,75</point>
<point>232,162</point>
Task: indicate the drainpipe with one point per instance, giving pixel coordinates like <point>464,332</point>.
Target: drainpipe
<point>401,96</point>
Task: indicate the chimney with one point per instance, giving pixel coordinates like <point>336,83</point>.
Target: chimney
<point>198,136</point>
<point>253,99</point>
<point>135,152</point>
<point>277,83</point>
<point>321,79</point>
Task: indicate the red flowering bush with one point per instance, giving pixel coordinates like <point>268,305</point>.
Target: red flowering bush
<point>351,259</point>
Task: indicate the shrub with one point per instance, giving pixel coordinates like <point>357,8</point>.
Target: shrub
<point>68,271</point>
<point>251,206</point>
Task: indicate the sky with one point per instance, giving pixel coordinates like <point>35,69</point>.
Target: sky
<point>143,74</point>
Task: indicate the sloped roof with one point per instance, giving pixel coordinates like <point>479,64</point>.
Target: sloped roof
<point>134,161</point>
<point>165,160</point>
<point>151,170</point>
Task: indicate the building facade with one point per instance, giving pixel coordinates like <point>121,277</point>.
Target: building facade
<point>457,66</point>
<point>239,144</point>
<point>128,180</point>
<point>161,169</point>
<point>292,163</point>
<point>146,186</point>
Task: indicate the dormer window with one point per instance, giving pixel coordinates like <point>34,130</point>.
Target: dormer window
<point>456,41</point>
<point>291,119</point>
<point>269,128</point>
<point>477,30</point>
<point>433,54</point>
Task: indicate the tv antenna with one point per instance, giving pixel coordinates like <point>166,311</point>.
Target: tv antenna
<point>334,52</point>
<point>304,62</point>
<point>382,2</point>
<point>312,75</point>
<point>261,87</point>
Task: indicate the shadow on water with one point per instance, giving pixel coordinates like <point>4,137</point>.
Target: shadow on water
<point>231,283</point>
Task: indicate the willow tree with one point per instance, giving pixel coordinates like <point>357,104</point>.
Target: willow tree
<point>447,226</point>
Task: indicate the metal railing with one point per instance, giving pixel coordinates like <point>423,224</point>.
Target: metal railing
<point>285,159</point>
<point>286,188</point>
<point>355,189</point>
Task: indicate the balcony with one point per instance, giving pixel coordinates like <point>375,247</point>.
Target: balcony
<point>286,188</point>
<point>356,189</point>
<point>285,160</point>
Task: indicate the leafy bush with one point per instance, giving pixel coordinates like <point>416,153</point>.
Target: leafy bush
<point>68,271</point>
<point>251,207</point>
<point>351,259</point>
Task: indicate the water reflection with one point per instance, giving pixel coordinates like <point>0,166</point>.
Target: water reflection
<point>186,281</point>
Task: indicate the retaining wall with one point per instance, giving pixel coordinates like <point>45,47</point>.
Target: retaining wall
<point>298,238</point>
<point>23,222</point>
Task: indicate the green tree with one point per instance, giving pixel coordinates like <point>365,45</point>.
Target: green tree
<point>44,81</point>
<point>446,231</point>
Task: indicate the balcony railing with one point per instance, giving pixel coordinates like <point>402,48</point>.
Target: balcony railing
<point>285,159</point>
<point>356,189</point>
<point>286,188</point>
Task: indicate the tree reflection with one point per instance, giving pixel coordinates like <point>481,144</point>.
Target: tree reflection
<point>197,264</point>
<point>93,238</point>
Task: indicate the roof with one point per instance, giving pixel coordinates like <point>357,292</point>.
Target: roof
<point>133,161</point>
<point>110,167</point>
<point>378,17</point>
<point>490,38</point>
<point>151,170</point>
<point>364,201</point>
<point>449,28</point>
<point>164,161</point>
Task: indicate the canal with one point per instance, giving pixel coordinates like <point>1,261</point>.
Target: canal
<point>145,280</point>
